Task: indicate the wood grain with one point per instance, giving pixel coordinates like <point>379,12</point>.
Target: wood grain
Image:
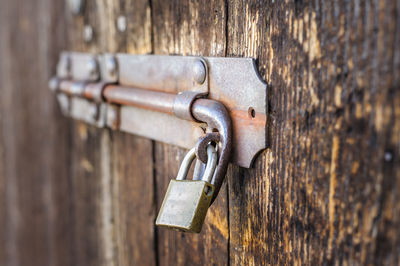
<point>90,161</point>
<point>34,137</point>
<point>3,206</point>
<point>326,192</point>
<point>134,219</point>
<point>189,28</point>
<point>133,160</point>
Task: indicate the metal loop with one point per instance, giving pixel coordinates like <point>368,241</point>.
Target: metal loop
<point>217,118</point>
<point>203,143</point>
<point>210,166</point>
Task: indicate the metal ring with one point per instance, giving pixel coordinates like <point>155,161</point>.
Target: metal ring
<point>203,143</point>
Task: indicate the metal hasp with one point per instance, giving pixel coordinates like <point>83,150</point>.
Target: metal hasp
<point>173,99</point>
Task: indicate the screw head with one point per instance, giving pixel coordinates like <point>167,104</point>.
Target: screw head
<point>199,72</point>
<point>87,33</point>
<point>388,156</point>
<point>121,23</point>
<point>76,6</point>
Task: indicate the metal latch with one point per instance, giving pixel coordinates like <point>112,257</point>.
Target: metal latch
<point>136,94</point>
<point>181,100</point>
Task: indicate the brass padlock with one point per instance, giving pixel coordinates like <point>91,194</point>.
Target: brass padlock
<point>186,202</point>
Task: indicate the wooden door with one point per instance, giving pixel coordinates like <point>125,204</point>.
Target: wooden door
<point>326,191</point>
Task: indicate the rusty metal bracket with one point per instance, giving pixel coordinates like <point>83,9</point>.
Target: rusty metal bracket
<point>157,97</point>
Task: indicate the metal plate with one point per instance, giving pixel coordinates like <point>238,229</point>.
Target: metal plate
<point>163,73</point>
<point>64,103</point>
<point>235,83</point>
<point>108,68</point>
<point>84,67</point>
<point>87,111</point>
<point>64,65</point>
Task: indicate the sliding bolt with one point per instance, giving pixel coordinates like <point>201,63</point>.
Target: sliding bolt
<point>199,72</point>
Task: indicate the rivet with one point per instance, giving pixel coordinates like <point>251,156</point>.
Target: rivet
<point>388,156</point>
<point>121,23</point>
<point>76,6</point>
<point>87,33</point>
<point>199,72</point>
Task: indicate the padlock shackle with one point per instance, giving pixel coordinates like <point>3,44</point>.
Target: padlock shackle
<point>187,161</point>
<point>217,118</point>
<point>185,165</point>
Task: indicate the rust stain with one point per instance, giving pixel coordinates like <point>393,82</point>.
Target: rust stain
<point>243,118</point>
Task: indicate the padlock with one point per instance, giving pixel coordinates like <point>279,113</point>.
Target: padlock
<point>186,202</point>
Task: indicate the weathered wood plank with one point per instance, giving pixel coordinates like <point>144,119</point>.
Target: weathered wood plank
<point>3,219</point>
<point>132,159</point>
<point>134,218</point>
<point>35,182</point>
<point>327,190</point>
<point>90,163</point>
<point>90,191</point>
<point>189,28</point>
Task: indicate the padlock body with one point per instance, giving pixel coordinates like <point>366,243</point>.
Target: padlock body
<point>185,205</point>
